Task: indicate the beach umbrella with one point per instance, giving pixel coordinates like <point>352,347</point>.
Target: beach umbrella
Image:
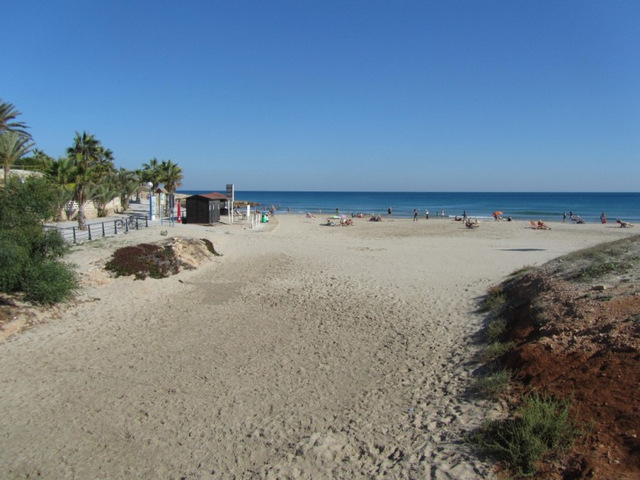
<point>497,213</point>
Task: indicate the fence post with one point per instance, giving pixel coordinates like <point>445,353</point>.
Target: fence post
<point>74,235</point>
<point>103,232</point>
<point>89,231</point>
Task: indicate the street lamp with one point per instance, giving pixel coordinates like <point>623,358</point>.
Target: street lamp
<point>149,186</point>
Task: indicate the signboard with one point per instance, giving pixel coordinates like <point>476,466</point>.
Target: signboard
<point>230,193</point>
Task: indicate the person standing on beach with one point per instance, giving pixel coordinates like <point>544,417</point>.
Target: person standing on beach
<point>415,215</point>
<point>603,217</point>
<point>389,210</point>
<point>426,214</point>
<point>564,217</point>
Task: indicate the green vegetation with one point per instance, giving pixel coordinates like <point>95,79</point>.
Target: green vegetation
<point>614,258</point>
<point>493,300</point>
<point>541,426</point>
<point>495,329</point>
<point>29,255</point>
<point>494,351</point>
<point>495,383</point>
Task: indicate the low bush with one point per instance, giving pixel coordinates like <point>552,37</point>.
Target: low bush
<point>49,281</point>
<point>541,426</point>
<point>29,255</point>
<point>144,261</point>
<point>495,383</point>
<point>13,260</point>
<point>495,329</point>
<point>494,350</point>
<point>493,300</point>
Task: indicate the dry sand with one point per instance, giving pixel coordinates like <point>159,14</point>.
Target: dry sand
<point>304,352</point>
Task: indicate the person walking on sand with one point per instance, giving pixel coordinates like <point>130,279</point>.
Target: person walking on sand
<point>603,217</point>
<point>564,217</point>
<point>389,210</point>
<point>426,214</point>
<point>415,215</point>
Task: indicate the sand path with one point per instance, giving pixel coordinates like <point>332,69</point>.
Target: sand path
<point>304,352</point>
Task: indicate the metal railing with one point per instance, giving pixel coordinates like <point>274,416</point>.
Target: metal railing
<point>103,229</point>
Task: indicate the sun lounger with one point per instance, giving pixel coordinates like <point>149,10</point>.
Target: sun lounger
<point>540,225</point>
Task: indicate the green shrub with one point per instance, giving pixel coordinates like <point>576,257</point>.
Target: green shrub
<point>495,383</point>
<point>49,281</point>
<point>494,350</point>
<point>14,259</point>
<point>495,329</point>
<point>541,426</point>
<point>493,300</point>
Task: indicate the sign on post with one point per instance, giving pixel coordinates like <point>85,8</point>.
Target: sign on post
<point>230,199</point>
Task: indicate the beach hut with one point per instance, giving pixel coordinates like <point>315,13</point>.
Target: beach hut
<point>205,208</point>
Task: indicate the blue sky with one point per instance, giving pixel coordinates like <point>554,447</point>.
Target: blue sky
<point>475,95</point>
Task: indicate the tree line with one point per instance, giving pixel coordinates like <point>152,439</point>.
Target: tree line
<point>31,265</point>
<point>88,171</point>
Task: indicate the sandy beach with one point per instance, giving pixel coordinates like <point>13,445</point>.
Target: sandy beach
<point>305,351</point>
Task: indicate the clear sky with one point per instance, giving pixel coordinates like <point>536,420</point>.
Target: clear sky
<point>449,95</point>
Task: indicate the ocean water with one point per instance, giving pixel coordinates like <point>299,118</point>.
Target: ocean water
<point>520,205</point>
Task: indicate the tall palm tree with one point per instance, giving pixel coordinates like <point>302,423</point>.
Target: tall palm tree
<point>87,156</point>
<point>8,115</point>
<point>13,146</point>
<point>170,175</point>
<point>151,172</point>
<point>128,183</point>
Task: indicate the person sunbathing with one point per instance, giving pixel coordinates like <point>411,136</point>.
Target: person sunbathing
<point>543,226</point>
<point>624,224</point>
<point>472,223</point>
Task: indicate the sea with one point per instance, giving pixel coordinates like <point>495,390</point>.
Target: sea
<point>544,206</point>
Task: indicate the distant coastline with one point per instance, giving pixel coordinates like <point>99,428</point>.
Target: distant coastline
<point>547,206</point>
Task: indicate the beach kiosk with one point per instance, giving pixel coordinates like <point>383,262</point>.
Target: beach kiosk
<point>205,208</point>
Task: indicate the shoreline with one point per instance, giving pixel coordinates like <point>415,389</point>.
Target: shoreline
<point>304,351</point>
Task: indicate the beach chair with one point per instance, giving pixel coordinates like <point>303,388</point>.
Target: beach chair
<point>472,223</point>
<point>534,225</point>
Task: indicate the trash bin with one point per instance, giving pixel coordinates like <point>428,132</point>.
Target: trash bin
<point>184,220</point>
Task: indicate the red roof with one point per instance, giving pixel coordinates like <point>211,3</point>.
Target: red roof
<point>212,196</point>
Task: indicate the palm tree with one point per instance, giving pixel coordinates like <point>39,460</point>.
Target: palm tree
<point>101,194</point>
<point>61,172</point>
<point>151,172</point>
<point>8,114</point>
<point>87,155</point>
<point>171,176</point>
<point>13,146</point>
<point>128,183</point>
